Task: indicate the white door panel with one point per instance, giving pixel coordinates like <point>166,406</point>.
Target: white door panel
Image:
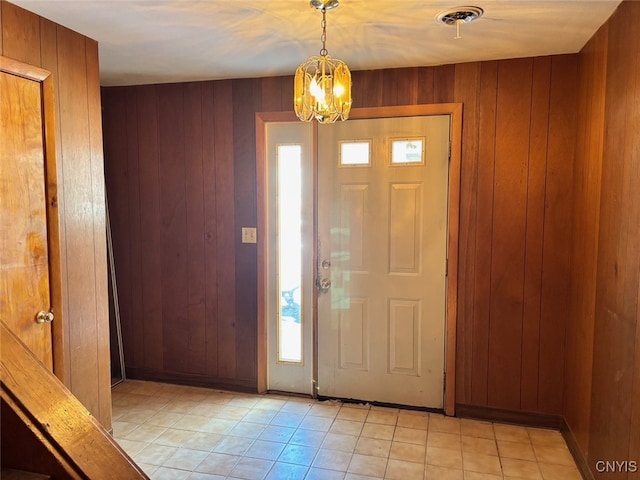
<point>382,227</point>
<point>290,297</point>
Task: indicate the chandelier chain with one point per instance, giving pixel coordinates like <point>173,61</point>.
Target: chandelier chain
<point>323,37</point>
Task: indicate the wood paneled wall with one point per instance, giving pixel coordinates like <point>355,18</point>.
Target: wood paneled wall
<point>181,181</point>
<point>587,188</point>
<point>615,395</point>
<point>603,356</point>
<point>177,190</point>
<point>73,61</point>
<point>516,199</point>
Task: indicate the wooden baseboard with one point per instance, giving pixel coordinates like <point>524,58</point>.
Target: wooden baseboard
<point>516,417</point>
<point>531,419</point>
<point>581,461</point>
<point>192,380</point>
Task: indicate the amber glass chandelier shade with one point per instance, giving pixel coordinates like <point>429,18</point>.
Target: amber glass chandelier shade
<point>322,90</point>
<point>322,85</point>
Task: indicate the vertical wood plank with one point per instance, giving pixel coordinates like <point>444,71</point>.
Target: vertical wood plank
<point>193,153</point>
<point>482,291</point>
<point>2,31</point>
<point>50,102</point>
<point>246,99</point>
<point>466,91</point>
<point>79,222</point>
<point>174,228</point>
<point>133,231</point>
<point>634,439</point>
<point>630,298</point>
<point>286,87</point>
<point>20,34</point>
<point>425,84</point>
<point>390,79</point>
<point>443,83</point>
<point>150,194</point>
<point>49,59</point>
<point>509,226</point>
<point>115,153</point>
<point>586,188</point>
<point>407,86</point>
<point>210,228</point>
<point>357,89</point>
<point>226,229</point>
<point>557,231</point>
<point>633,149</point>
<point>99,238</point>
<point>368,88</point>
<point>272,95</point>
<point>535,231</point>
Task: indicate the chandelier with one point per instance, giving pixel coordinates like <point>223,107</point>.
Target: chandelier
<point>322,85</point>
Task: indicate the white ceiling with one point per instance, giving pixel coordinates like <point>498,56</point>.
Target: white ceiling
<point>159,41</point>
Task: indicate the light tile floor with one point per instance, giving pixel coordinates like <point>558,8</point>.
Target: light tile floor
<point>177,432</point>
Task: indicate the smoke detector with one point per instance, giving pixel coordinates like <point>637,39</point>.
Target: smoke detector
<point>459,16</point>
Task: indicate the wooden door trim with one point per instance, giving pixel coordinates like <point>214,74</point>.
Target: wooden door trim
<point>452,109</point>
<point>262,224</point>
<point>47,86</point>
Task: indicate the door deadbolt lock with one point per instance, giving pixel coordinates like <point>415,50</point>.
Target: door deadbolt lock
<point>324,284</point>
<point>44,317</point>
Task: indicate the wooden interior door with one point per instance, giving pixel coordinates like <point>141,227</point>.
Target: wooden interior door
<point>24,253</point>
<point>382,227</point>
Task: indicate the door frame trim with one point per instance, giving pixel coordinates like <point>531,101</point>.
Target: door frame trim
<point>47,89</point>
<point>452,109</point>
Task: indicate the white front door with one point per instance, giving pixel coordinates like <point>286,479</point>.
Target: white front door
<point>382,247</point>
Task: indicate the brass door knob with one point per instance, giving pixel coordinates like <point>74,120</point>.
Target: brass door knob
<point>323,284</point>
<point>44,317</point>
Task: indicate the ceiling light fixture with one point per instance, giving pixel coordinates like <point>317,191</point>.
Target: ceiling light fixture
<point>459,16</point>
<point>322,85</point>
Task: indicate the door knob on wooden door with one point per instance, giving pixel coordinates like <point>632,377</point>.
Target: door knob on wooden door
<point>44,317</point>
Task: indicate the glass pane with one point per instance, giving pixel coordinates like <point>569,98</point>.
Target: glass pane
<point>354,153</point>
<point>290,253</point>
<point>407,151</point>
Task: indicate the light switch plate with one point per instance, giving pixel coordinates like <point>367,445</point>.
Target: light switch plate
<point>248,235</point>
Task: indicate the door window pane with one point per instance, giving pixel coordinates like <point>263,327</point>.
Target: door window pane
<point>355,153</point>
<point>289,221</point>
<point>407,151</point>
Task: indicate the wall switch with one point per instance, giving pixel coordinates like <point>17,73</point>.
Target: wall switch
<point>248,235</point>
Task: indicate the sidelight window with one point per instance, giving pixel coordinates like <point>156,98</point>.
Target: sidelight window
<point>289,232</point>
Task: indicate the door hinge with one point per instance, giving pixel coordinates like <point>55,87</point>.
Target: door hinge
<point>449,150</point>
<point>446,267</point>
